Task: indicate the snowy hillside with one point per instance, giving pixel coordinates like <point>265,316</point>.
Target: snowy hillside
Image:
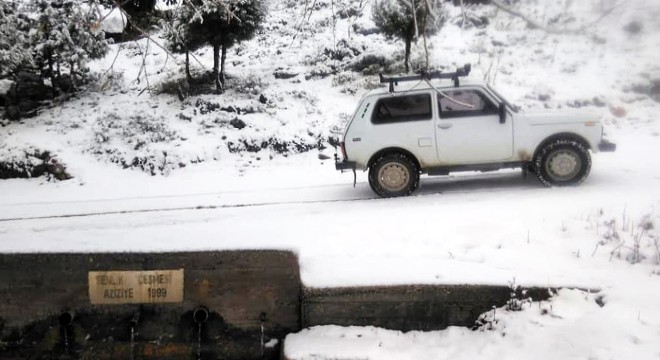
<point>252,168</point>
<point>292,85</point>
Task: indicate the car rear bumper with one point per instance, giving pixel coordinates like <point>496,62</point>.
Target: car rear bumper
<point>606,146</point>
<point>345,165</point>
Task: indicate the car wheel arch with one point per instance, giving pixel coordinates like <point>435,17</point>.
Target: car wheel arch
<point>393,149</point>
<point>561,136</point>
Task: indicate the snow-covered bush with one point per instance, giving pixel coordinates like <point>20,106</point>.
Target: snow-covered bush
<point>44,39</point>
<point>30,162</point>
<point>373,63</point>
<point>518,301</point>
<point>343,78</point>
<point>20,163</point>
<point>277,145</point>
<point>249,84</point>
<point>14,45</point>
<point>65,36</point>
<point>138,141</point>
<point>487,321</point>
<point>328,59</point>
<point>351,83</point>
<point>517,297</point>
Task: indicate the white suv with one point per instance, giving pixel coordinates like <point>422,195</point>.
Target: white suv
<point>400,134</point>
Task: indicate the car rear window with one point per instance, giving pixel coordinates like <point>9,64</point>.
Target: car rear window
<point>402,108</point>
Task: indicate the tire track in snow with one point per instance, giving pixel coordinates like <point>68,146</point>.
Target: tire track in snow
<point>247,205</point>
<point>174,196</point>
<point>455,187</point>
<point>182,208</point>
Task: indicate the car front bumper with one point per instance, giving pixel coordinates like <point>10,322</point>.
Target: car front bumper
<point>606,146</point>
<point>345,165</point>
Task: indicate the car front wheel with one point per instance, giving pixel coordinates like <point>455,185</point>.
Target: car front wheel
<point>562,162</point>
<point>393,174</point>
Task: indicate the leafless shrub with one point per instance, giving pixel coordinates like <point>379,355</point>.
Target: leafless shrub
<point>634,242</point>
<point>518,297</point>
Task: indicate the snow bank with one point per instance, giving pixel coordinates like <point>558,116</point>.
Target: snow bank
<point>572,325</point>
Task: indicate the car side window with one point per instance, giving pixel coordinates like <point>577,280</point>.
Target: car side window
<point>464,103</point>
<point>402,108</point>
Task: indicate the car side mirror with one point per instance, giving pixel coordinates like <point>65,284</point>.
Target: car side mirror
<point>502,113</point>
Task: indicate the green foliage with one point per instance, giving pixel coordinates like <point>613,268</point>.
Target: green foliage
<point>179,35</point>
<point>14,45</point>
<point>66,35</point>
<point>218,23</point>
<point>395,18</point>
<point>225,23</point>
<point>213,22</point>
<point>138,7</point>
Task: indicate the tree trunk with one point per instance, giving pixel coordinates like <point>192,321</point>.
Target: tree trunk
<point>72,75</point>
<point>426,48</point>
<point>414,14</point>
<point>222,65</point>
<point>50,66</point>
<point>216,61</point>
<point>407,60</point>
<point>188,76</point>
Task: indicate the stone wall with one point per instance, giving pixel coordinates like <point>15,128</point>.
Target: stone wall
<point>405,308</point>
<point>38,291</point>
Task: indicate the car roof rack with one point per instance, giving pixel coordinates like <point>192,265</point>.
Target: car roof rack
<point>460,72</point>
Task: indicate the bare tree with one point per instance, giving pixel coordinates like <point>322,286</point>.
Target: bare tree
<point>539,25</point>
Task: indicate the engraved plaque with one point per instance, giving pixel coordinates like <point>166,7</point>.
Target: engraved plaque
<point>136,287</point>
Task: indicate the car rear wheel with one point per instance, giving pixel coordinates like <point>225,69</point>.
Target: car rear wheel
<point>562,162</point>
<point>393,174</point>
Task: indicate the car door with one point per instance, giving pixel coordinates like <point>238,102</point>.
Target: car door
<point>468,130</point>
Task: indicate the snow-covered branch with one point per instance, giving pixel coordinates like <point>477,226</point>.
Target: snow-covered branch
<point>539,25</point>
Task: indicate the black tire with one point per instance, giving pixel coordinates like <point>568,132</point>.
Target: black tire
<point>393,174</point>
<point>562,162</point>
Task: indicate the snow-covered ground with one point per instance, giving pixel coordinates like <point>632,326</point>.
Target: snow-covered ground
<point>476,228</point>
<point>571,326</point>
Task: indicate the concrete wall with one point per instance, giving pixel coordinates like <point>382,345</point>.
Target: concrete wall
<point>236,287</point>
<point>413,307</point>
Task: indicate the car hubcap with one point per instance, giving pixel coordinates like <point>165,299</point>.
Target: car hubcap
<point>393,177</point>
<point>563,165</point>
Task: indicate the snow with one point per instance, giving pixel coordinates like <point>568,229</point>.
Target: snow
<point>570,326</point>
<point>467,228</point>
<point>5,86</point>
<point>114,20</point>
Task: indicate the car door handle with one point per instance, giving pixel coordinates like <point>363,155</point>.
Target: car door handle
<point>445,125</point>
